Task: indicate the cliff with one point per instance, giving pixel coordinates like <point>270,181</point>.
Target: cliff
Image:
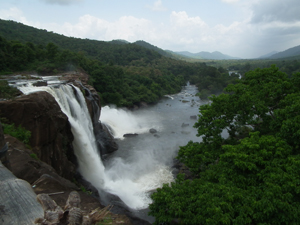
<point>51,136</point>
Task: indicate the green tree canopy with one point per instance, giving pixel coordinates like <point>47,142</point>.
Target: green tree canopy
<point>251,175</point>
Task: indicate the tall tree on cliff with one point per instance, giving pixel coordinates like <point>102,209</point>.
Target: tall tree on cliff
<point>253,175</point>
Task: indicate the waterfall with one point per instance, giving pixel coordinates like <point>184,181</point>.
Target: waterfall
<point>131,180</point>
<point>72,103</point>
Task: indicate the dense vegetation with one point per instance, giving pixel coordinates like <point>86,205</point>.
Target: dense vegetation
<point>124,74</point>
<point>288,65</point>
<point>253,175</point>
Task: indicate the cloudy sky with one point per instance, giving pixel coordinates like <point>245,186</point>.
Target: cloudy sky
<point>240,28</point>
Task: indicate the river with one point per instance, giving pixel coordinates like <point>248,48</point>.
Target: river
<point>144,162</point>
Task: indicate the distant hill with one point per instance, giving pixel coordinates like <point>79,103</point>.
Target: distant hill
<point>268,55</point>
<point>152,47</point>
<point>206,55</point>
<point>295,51</point>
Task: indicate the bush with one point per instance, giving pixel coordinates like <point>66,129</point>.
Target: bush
<point>7,91</point>
<point>18,132</point>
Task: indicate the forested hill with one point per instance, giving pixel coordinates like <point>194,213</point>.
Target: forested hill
<point>117,51</point>
<point>295,51</point>
<point>124,74</point>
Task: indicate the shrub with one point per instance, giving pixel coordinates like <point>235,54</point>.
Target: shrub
<point>18,132</point>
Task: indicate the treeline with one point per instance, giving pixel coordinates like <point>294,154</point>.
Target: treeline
<point>288,65</point>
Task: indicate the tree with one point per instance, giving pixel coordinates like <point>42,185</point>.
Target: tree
<point>52,51</point>
<point>252,174</point>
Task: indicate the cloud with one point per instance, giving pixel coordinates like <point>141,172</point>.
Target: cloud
<point>127,27</point>
<point>276,10</point>
<point>230,1</point>
<point>181,32</point>
<point>182,20</point>
<point>275,24</point>
<point>13,14</point>
<point>157,6</point>
<point>61,2</point>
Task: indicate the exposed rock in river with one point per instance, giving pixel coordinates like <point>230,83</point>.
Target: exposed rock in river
<point>130,135</point>
<point>153,131</point>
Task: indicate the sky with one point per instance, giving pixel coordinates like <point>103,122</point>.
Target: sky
<point>239,28</point>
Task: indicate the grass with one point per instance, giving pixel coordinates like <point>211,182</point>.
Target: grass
<point>18,132</point>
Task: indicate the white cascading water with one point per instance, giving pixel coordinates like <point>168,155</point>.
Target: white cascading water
<point>73,104</point>
<point>143,171</point>
<point>142,167</point>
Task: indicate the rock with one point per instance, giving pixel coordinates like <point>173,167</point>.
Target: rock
<point>185,125</point>
<point>3,149</point>
<point>73,213</point>
<point>193,117</point>
<point>157,136</point>
<point>153,131</point>
<point>40,83</point>
<point>25,165</point>
<point>51,136</point>
<point>105,141</point>
<point>18,203</point>
<point>130,135</point>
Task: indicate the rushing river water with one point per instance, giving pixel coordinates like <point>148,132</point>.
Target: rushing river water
<point>144,162</point>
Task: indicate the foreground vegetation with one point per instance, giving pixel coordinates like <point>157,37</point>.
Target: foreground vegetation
<point>253,175</point>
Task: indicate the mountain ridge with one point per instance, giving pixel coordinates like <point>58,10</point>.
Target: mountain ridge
<point>206,55</point>
<point>290,52</point>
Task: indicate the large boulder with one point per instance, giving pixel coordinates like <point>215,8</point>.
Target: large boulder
<point>18,204</point>
<point>51,136</point>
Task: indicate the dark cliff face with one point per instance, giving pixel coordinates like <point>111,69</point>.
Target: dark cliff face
<point>105,141</point>
<point>51,136</point>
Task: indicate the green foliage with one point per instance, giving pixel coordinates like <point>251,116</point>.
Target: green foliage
<point>6,91</point>
<point>83,189</point>
<point>18,132</point>
<point>34,156</point>
<point>253,175</point>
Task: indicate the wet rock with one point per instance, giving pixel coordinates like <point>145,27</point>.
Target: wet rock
<point>130,135</point>
<point>193,117</point>
<point>185,125</point>
<point>105,141</point>
<point>40,83</point>
<point>153,131</point>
